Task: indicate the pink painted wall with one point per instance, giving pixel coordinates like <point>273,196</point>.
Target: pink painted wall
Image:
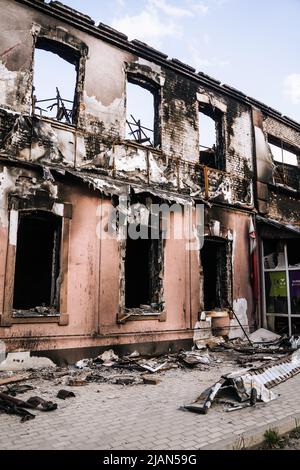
<point>93,284</point>
<point>93,287</point>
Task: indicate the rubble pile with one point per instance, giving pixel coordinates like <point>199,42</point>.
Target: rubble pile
<point>266,359</point>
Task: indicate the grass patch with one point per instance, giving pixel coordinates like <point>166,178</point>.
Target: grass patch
<point>295,433</point>
<point>273,440</point>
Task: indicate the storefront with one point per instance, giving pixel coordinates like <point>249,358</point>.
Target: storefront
<point>280,254</point>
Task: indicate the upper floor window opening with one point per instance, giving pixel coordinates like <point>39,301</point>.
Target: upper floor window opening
<point>55,81</point>
<point>142,112</point>
<point>283,153</point>
<point>210,137</point>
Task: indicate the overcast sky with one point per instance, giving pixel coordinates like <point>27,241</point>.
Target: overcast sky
<point>252,45</point>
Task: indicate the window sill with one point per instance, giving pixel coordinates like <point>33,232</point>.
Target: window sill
<point>60,319</point>
<point>131,315</point>
<point>59,124</point>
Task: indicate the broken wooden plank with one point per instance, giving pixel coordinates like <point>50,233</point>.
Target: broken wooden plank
<point>13,379</point>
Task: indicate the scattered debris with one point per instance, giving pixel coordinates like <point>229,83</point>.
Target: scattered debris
<point>77,381</point>
<point>152,366</point>
<point>63,394</point>
<point>108,356</point>
<point>83,363</point>
<point>295,342</point>
<point>18,389</point>
<point>41,404</point>
<point>12,379</point>
<point>248,361</point>
<point>263,336</point>
<point>96,376</point>
<point>134,354</point>
<point>11,405</point>
<point>249,383</point>
<point>266,362</point>
<point>125,380</point>
<point>11,408</point>
<point>194,358</point>
<point>151,379</point>
<point>204,401</point>
<point>202,331</point>
<point>215,341</point>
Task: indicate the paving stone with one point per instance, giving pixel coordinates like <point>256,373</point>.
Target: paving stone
<point>144,417</point>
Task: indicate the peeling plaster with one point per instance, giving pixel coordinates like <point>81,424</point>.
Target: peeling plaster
<point>80,148</point>
<point>210,99</point>
<point>58,209</point>
<point>7,183</point>
<point>65,145</point>
<point>33,153</point>
<point>109,113</point>
<point>22,183</point>
<point>49,142</point>
<point>7,82</point>
<point>156,172</point>
<point>132,161</point>
<point>13,83</point>
<point>241,141</point>
<point>13,227</point>
<point>224,189</point>
<point>154,67</point>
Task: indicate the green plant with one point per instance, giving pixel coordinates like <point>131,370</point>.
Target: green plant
<point>273,439</point>
<point>295,433</point>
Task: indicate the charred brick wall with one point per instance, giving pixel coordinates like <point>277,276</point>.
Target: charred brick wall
<point>280,197</point>
<point>97,142</point>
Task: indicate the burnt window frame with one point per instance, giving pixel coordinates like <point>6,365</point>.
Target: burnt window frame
<point>227,244</point>
<point>155,89</point>
<point>218,117</point>
<point>74,53</point>
<point>284,173</point>
<point>54,224</point>
<point>284,145</point>
<point>17,204</point>
<point>157,284</point>
<point>151,271</point>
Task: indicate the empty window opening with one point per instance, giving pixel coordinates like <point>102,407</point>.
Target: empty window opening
<point>141,113</point>
<point>37,261</point>
<point>142,273</point>
<point>216,274</point>
<point>55,80</point>
<point>210,129</point>
<point>283,154</point>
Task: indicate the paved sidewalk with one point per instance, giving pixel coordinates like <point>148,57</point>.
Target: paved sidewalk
<point>148,417</point>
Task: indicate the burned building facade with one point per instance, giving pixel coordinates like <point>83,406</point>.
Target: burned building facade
<point>68,287</point>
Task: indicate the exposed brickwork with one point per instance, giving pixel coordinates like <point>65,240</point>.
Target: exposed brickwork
<point>283,207</point>
<point>282,131</point>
